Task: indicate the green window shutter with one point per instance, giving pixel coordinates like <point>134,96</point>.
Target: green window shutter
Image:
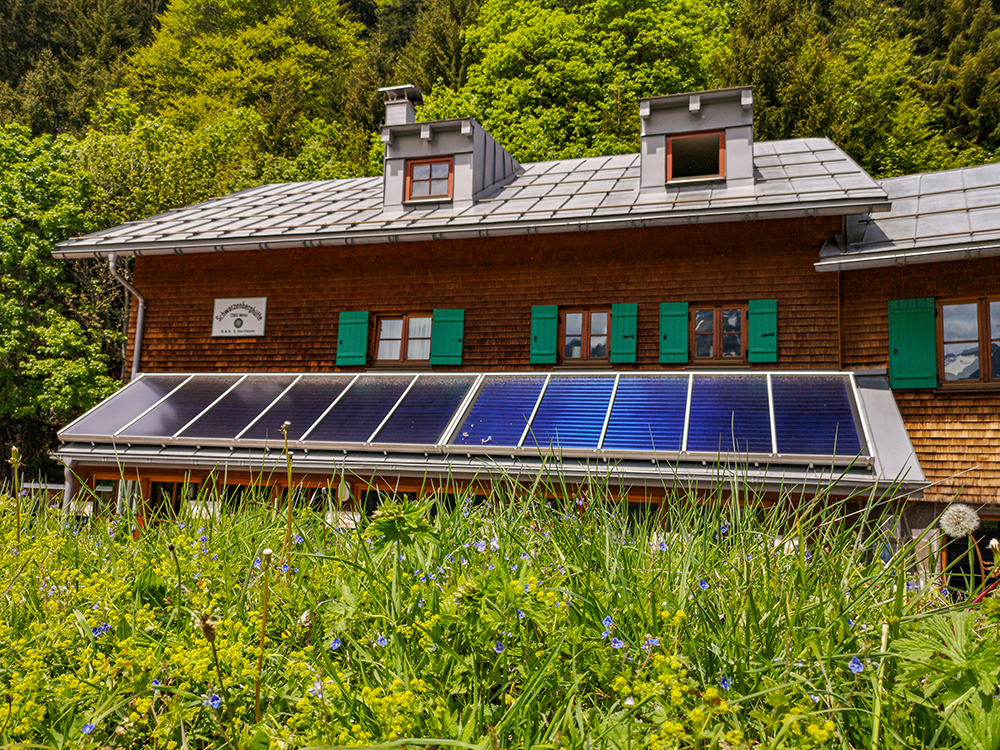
<point>673,333</point>
<point>912,343</point>
<point>623,325</point>
<point>544,332</point>
<point>763,330</point>
<point>352,339</point>
<point>447,327</point>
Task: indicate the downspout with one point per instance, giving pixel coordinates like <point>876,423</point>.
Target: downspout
<point>140,316</point>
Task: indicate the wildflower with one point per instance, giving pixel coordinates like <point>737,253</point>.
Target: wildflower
<point>480,545</point>
<point>317,689</point>
<point>615,643</point>
<point>725,684</point>
<point>513,568</point>
<point>335,644</point>
<point>650,642</point>
<point>850,622</point>
<point>856,666</point>
<point>663,546</point>
<point>520,615</point>
<point>256,563</point>
<point>630,701</point>
<point>100,630</point>
<point>498,647</point>
<point>211,701</point>
<point>87,728</point>
<point>381,641</point>
<point>420,603</point>
<point>490,566</point>
<point>608,622</point>
<point>524,555</point>
<point>297,539</point>
<point>527,588</point>
<point>703,584</point>
<point>724,529</point>
<point>494,544</point>
<point>285,568</point>
<point>959,520</point>
<point>605,634</point>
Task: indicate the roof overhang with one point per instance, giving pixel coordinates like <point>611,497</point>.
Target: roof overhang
<point>853,261</point>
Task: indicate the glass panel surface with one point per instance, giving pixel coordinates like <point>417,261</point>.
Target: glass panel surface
<point>420,328</point>
<point>648,414</point>
<point>731,321</point>
<point>390,328</point>
<point>420,189</point>
<point>421,171</point>
<point>961,361</point>
<point>574,324</point>
<point>813,416</point>
<point>361,409</point>
<point>182,406</point>
<point>995,356</point>
<point>440,170</point>
<point>598,323</point>
<point>240,406</point>
<point>418,349</point>
<point>732,345</point>
<point>571,414</point>
<point>124,406</point>
<point>439,187</point>
<point>598,346</point>
<point>703,346</point>
<point>500,412</point>
<point>729,414</point>
<point>704,321</point>
<point>426,410</point>
<point>995,320</point>
<point>574,348</point>
<point>961,322</point>
<point>389,350</point>
<point>301,406</point>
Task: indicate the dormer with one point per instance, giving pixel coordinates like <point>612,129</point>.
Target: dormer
<point>452,162</point>
<point>704,137</point>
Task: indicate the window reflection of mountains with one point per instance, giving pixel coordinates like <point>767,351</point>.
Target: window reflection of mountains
<point>965,365</point>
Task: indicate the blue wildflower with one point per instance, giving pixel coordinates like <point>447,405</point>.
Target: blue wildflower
<point>650,642</point>
<point>297,539</point>
<point>498,647</point>
<point>87,728</point>
<point>335,644</point>
<point>703,584</point>
<point>615,643</point>
<point>211,701</point>
<point>608,622</point>
<point>317,689</point>
<point>856,665</point>
<point>420,603</point>
<point>381,641</point>
<point>725,684</point>
<point>520,615</point>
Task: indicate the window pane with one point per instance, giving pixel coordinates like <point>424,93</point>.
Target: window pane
<point>574,324</point>
<point>418,349</point>
<point>703,321</point>
<point>420,189</point>
<point>573,348</point>
<point>421,171</point>
<point>391,328</point>
<point>420,328</point>
<point>598,323</point>
<point>703,346</point>
<point>995,320</point>
<point>599,346</point>
<point>961,361</point>
<point>731,321</point>
<point>995,356</point>
<point>961,322</point>
<point>439,187</point>
<point>732,345</point>
<point>439,171</point>
<point>388,349</point>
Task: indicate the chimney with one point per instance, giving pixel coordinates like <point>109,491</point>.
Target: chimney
<point>400,104</point>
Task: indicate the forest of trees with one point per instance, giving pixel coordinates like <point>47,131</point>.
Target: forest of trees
<point>111,110</point>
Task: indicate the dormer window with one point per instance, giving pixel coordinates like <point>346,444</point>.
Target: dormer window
<point>430,178</point>
<point>696,156</point>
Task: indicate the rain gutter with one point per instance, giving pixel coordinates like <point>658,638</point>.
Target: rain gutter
<point>140,317</point>
<point>861,260</point>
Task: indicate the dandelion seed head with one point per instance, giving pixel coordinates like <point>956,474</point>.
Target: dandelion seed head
<point>959,520</point>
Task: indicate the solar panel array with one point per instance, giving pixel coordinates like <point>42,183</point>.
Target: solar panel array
<point>698,415</point>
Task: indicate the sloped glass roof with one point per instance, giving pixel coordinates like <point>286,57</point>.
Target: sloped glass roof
<point>793,417</point>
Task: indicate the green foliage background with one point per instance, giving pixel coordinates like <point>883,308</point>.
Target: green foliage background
<point>112,110</point>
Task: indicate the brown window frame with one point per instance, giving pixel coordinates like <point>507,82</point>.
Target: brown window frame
<point>411,163</point>
<point>717,333</point>
<point>404,339</point>
<point>985,341</point>
<point>722,156</point>
<point>584,335</point>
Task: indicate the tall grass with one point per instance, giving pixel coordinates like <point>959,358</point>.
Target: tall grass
<point>518,621</point>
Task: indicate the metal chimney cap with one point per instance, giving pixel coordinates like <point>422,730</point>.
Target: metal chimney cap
<point>407,91</point>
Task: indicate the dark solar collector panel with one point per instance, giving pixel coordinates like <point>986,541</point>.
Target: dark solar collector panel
<point>301,406</point>
<point>648,414</point>
<point>238,408</point>
<point>361,410</point>
<point>426,410</point>
<point>121,408</point>
<point>182,406</point>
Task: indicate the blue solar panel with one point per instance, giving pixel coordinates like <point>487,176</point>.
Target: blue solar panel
<point>301,406</point>
<point>813,415</point>
<point>571,414</point>
<point>238,407</point>
<point>648,414</point>
<point>426,410</point>
<point>360,411</point>
<point>500,412</point>
<point>729,414</point>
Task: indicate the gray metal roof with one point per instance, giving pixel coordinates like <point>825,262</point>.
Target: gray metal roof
<point>802,177</point>
<point>935,216</point>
